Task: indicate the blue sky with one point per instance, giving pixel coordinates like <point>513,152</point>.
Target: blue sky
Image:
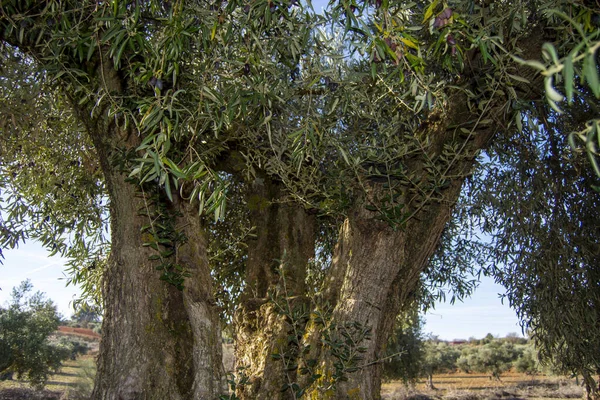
<point>31,261</point>
<point>479,315</point>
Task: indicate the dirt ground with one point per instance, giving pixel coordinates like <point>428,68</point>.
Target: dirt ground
<point>460,386</point>
<point>28,394</point>
<point>74,381</point>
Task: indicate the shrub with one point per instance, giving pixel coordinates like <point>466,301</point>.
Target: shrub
<point>494,358</point>
<point>439,357</point>
<point>73,346</point>
<point>528,361</point>
<point>25,328</point>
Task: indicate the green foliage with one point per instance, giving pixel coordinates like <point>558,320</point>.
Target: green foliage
<point>86,314</point>
<point>438,357</point>
<point>528,361</point>
<point>536,189</point>
<point>74,347</point>
<point>391,95</point>
<point>25,327</point>
<point>50,181</point>
<point>494,358</point>
<point>573,67</point>
<point>233,381</point>
<point>227,250</point>
<point>405,349</point>
<point>551,287</point>
<point>487,355</point>
<point>161,236</point>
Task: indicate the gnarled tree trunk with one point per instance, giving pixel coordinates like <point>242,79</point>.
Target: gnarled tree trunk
<point>376,271</point>
<point>273,309</point>
<point>158,342</point>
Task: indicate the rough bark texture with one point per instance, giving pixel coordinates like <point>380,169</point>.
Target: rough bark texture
<point>276,271</point>
<point>376,269</point>
<point>201,307</point>
<point>158,342</point>
<point>380,273</point>
<point>371,253</point>
<point>147,342</point>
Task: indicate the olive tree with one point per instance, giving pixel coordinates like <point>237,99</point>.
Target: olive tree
<point>366,121</point>
<point>439,357</point>
<point>494,357</point>
<point>528,361</point>
<point>405,350</point>
<point>25,327</point>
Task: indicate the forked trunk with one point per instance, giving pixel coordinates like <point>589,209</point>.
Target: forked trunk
<point>274,309</point>
<point>375,273</point>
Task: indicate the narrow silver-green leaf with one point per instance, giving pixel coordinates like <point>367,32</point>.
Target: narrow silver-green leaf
<point>568,77</point>
<point>590,72</point>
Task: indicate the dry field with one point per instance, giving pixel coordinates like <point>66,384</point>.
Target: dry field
<point>73,382</point>
<point>462,386</point>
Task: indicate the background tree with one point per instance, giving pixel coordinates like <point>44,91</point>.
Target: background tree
<point>86,313</point>
<point>493,357</point>
<point>439,357</point>
<point>25,327</point>
<point>528,360</point>
<point>405,350</point>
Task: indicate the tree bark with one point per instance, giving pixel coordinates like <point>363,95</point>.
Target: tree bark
<point>201,308</point>
<point>158,342</point>
<point>274,309</point>
<point>147,341</point>
<point>430,382</point>
<point>376,271</point>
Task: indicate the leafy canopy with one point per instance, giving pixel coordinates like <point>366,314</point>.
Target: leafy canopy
<point>367,93</point>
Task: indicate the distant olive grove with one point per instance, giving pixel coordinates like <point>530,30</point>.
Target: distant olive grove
<point>30,349</point>
<point>412,356</point>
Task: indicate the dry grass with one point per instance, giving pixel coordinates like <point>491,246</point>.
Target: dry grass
<point>459,386</point>
<point>74,381</point>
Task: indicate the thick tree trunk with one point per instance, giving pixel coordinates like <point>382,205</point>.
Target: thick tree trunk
<point>375,273</point>
<point>157,342</point>
<point>273,310</point>
<point>368,255</point>
<point>146,349</point>
<point>201,308</point>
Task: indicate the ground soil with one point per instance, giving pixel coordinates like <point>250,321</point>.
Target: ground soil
<point>28,394</point>
<point>75,379</point>
<point>460,386</point>
<point>80,332</point>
